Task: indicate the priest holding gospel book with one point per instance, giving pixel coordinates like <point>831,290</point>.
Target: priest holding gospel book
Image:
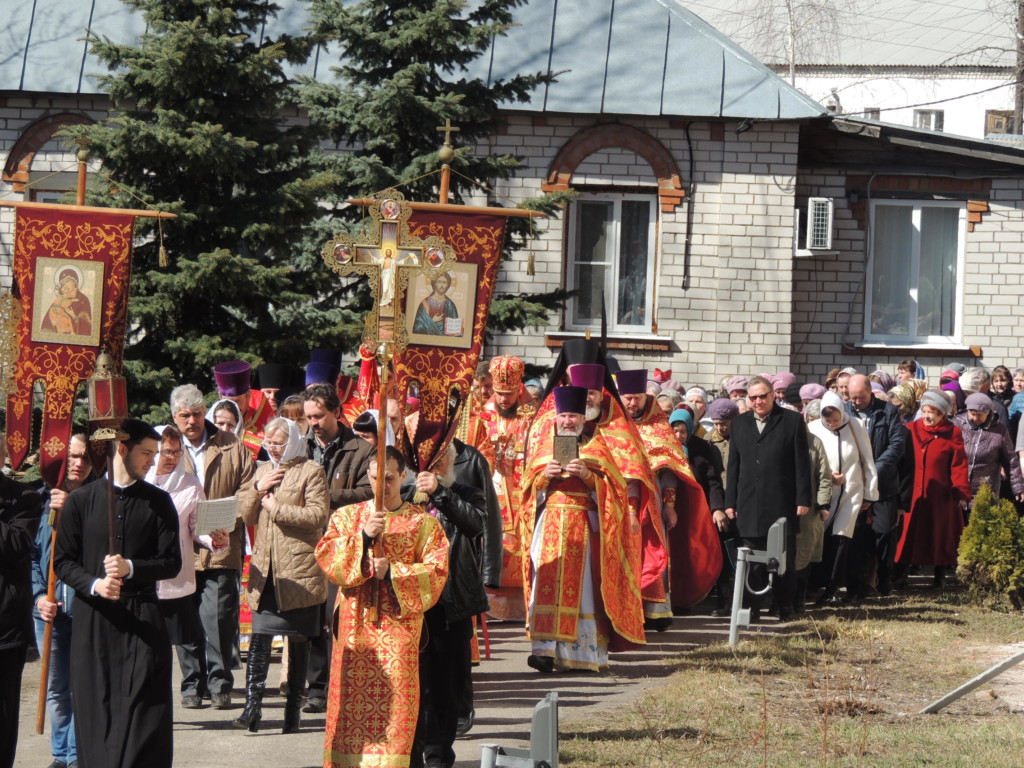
<point>374,695</point>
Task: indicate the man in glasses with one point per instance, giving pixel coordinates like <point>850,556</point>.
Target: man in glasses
<point>769,478</point>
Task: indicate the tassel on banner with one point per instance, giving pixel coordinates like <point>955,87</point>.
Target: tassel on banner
<point>164,261</point>
<point>530,264</point>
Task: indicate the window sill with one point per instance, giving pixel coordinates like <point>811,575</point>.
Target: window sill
<point>806,253</point>
<point>641,342</point>
<point>910,350</point>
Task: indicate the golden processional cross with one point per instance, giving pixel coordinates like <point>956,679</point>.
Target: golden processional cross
<point>390,257</point>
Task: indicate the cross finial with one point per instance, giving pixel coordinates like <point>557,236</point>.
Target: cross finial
<point>448,129</point>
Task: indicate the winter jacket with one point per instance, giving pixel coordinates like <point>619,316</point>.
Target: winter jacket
<point>810,540</point>
<point>706,463</point>
<point>346,469</point>
<point>849,452</point>
<point>722,445</point>
<point>287,535</point>
<point>472,469</point>
<point>461,510</point>
<point>888,438</point>
<point>19,521</point>
<point>228,467</point>
<point>989,451</point>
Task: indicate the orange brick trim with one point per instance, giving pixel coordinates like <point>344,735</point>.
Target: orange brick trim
<point>597,137</point>
<point>924,184</point>
<point>19,161</point>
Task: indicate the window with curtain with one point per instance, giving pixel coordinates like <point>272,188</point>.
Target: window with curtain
<point>611,252</point>
<point>914,272</point>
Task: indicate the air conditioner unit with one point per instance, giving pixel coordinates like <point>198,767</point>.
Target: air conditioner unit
<point>819,224</point>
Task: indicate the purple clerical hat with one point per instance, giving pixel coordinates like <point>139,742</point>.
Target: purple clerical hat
<point>632,382</point>
<point>323,355</point>
<point>570,399</point>
<point>232,378</point>
<point>587,375</point>
<point>321,373</point>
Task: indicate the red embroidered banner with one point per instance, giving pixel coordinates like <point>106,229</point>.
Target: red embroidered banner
<point>447,323</point>
<point>71,274</point>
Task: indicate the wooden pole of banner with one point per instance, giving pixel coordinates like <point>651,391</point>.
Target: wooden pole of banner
<point>139,213</point>
<point>44,661</point>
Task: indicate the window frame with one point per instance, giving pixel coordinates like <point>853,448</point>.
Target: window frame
<point>612,297</point>
<point>915,272</point>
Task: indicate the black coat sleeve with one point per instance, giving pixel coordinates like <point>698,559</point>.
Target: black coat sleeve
<point>803,467</point>
<point>472,469</point>
<point>166,560</point>
<point>733,472</point>
<point>68,557</point>
<point>463,506</point>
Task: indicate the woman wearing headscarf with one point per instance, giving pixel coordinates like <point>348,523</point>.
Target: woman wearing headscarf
<point>366,425</point>
<point>990,452</point>
<point>226,417</point>
<point>179,609</point>
<point>706,463</point>
<point>904,397</point>
<point>935,515</point>
<point>286,500</point>
<point>854,481</point>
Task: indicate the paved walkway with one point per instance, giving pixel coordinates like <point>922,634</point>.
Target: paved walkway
<point>505,692</point>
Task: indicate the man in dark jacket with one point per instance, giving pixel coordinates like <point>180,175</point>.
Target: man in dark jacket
<point>445,661</point>
<point>19,520</point>
<point>346,460</point>
<point>769,477</point>
<point>877,527</point>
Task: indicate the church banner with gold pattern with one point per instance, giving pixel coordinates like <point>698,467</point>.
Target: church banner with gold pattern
<point>446,321</point>
<point>71,275</point>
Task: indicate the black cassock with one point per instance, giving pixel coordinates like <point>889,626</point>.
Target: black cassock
<point>120,653</point>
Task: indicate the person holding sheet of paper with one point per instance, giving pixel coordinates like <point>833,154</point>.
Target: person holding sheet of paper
<point>287,502</point>
<point>177,604</point>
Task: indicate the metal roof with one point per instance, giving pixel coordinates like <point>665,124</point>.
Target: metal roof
<point>615,57</point>
<point>901,33</point>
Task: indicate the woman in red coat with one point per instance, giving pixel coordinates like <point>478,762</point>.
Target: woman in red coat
<point>935,519</point>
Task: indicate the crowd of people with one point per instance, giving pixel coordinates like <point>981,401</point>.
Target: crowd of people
<point>593,508</point>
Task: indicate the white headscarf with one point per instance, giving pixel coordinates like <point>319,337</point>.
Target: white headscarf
<point>240,426</point>
<point>295,446</point>
<point>832,400</point>
<point>173,481</point>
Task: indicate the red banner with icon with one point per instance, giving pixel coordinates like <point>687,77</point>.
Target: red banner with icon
<point>447,324</point>
<point>71,275</point>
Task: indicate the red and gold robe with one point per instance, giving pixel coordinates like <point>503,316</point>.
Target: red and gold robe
<point>695,551</point>
<point>258,414</point>
<point>503,442</point>
<point>616,576</point>
<point>373,702</point>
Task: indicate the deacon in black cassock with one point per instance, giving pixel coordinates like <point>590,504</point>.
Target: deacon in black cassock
<point>120,653</point>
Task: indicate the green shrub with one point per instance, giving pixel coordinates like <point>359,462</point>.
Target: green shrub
<point>991,556</point>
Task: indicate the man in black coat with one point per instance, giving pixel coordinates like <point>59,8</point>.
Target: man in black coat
<point>120,652</point>
<point>19,520</point>
<point>878,527</point>
<point>769,477</point>
<point>445,660</point>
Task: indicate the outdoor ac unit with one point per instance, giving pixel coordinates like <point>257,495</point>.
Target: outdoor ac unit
<point>819,224</point>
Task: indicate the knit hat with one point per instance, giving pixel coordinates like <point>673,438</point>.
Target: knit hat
<point>936,399</point>
<point>979,401</point>
<point>723,408</point>
<point>699,392</point>
<point>950,374</point>
<point>736,383</point>
<point>782,379</point>
<point>812,391</point>
<point>792,395</point>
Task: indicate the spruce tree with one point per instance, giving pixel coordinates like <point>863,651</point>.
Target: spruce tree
<point>200,127</point>
<point>403,72</point>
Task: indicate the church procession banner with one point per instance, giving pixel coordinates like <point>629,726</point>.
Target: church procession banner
<point>71,275</point>
<point>446,321</point>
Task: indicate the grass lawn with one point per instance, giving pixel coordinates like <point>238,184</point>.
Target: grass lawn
<point>838,688</point>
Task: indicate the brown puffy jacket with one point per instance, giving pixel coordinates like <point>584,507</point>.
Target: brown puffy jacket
<point>287,535</point>
<point>228,467</point>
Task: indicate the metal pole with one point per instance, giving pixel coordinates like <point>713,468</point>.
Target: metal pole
<point>969,686</point>
<point>738,586</point>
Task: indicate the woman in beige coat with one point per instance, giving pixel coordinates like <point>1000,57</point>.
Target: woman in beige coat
<point>286,500</point>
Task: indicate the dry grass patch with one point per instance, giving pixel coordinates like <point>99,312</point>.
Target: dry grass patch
<point>841,689</point>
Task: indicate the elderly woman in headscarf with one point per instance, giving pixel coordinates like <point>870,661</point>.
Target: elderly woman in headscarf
<point>990,452</point>
<point>904,397</point>
<point>941,490</point>
<point>886,379</point>
<point>179,609</point>
<point>854,480</point>
<point>227,417</point>
<point>706,463</point>
<point>286,500</point>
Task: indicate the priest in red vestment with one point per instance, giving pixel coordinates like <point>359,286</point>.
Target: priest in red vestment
<point>373,702</point>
